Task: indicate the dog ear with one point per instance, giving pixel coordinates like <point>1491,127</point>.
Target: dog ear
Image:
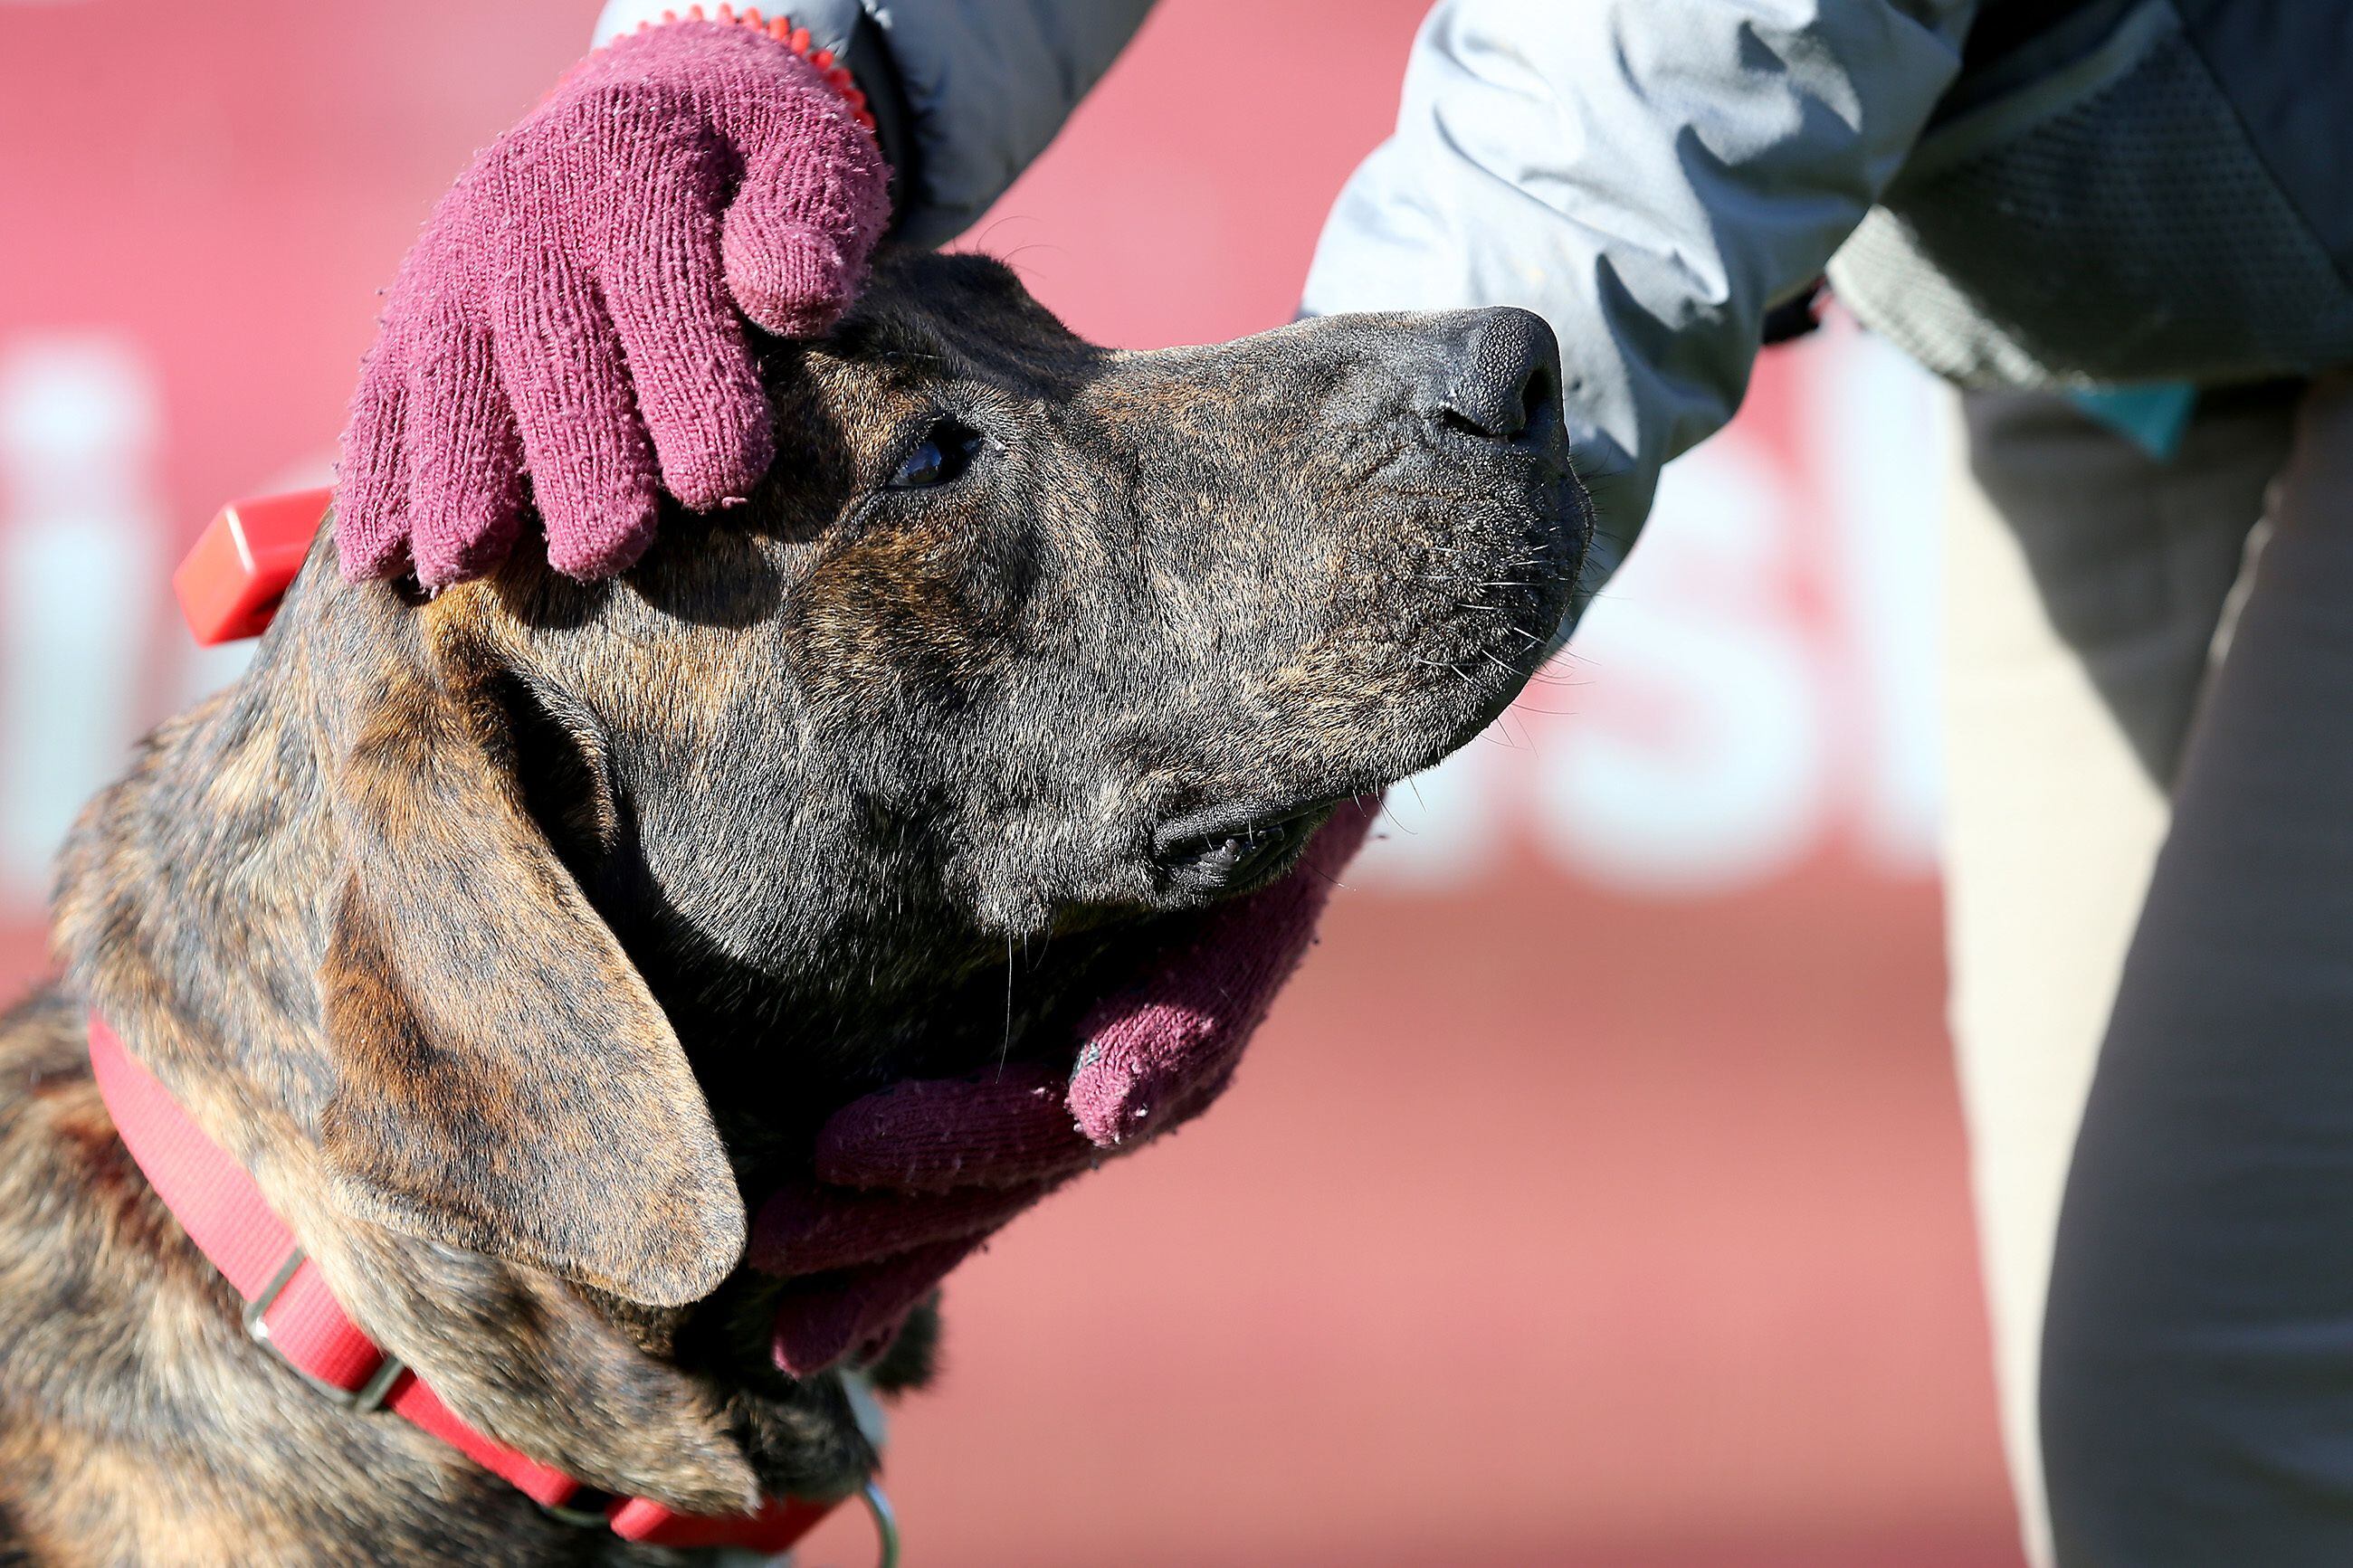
<point>505,1080</point>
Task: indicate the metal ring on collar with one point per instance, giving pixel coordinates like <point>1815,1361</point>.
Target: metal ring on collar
<point>886,1525</point>
<point>886,1531</point>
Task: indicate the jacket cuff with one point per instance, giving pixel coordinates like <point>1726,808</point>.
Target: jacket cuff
<point>858,42</point>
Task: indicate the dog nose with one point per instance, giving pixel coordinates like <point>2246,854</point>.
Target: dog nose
<point>1500,374</point>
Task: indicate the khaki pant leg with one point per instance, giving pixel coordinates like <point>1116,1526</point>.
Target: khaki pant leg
<point>2084,584</point>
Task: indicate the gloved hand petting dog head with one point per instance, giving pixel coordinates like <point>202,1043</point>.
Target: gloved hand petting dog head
<point>573,306</point>
<point>514,936</point>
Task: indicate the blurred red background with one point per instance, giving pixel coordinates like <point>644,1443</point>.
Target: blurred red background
<point>1596,1196</point>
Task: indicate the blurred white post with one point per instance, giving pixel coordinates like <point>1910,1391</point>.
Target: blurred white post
<point>80,419</point>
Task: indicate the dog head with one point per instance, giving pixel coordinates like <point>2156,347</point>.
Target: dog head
<point>613,885</point>
<point>1023,637</point>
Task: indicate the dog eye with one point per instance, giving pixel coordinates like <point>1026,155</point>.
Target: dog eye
<point>941,458</point>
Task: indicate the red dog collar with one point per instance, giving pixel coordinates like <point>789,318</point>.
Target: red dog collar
<point>287,1307</point>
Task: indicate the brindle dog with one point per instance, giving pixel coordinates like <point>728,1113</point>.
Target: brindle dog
<point>508,938</point>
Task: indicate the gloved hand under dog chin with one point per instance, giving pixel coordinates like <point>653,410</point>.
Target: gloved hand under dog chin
<point>913,1179</point>
<point>570,309</point>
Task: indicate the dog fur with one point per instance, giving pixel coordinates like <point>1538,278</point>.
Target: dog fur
<point>511,936</point>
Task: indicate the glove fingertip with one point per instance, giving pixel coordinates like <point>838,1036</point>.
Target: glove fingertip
<point>371,535</point>
<point>1139,1056</point>
<point>807,1343</point>
<point>363,556</point>
<point>819,1326</point>
<point>791,308</point>
<point>788,277</point>
<point>1110,1113</point>
<point>466,550</point>
<point>1111,1094</point>
<point>590,553</point>
<point>720,463</point>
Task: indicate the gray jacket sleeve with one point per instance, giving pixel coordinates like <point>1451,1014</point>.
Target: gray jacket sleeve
<point>981,86</point>
<point>1649,177</point>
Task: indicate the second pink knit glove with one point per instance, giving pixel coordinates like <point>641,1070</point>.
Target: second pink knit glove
<point>913,1179</point>
<point>571,311</point>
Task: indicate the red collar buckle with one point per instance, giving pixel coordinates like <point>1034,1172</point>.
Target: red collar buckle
<point>369,1396</point>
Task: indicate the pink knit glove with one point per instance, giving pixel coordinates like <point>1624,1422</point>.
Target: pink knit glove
<point>570,309</point>
<point>911,1180</point>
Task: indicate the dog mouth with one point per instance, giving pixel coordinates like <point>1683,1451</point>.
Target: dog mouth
<point>1232,850</point>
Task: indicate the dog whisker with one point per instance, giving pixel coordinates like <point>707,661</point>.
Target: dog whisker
<point>1005,1050</point>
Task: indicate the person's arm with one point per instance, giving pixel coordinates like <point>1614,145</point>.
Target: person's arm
<point>965,93</point>
<point>572,309</point>
<point>1649,175</point>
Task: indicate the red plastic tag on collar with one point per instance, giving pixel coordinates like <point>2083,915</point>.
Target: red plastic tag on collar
<point>230,583</point>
